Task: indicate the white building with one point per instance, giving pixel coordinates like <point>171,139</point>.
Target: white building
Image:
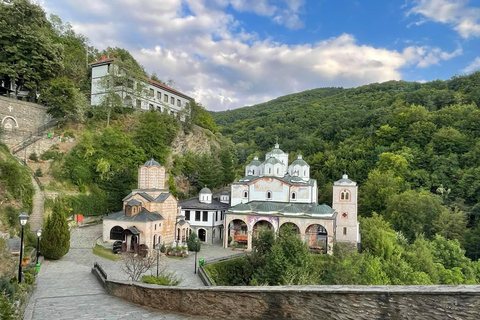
<point>205,215</point>
<point>153,95</point>
<point>274,193</point>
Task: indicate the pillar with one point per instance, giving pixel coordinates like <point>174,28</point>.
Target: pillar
<point>249,240</point>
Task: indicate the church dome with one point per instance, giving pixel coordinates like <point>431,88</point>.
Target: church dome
<point>277,150</point>
<point>321,209</point>
<point>241,207</point>
<point>292,209</point>
<point>205,191</point>
<point>299,161</point>
<point>255,162</point>
<point>151,163</point>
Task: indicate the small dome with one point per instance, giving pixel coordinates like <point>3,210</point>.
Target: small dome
<point>292,209</point>
<point>321,209</point>
<point>267,207</point>
<point>224,193</point>
<point>241,207</point>
<point>151,163</point>
<point>277,149</point>
<point>299,161</point>
<point>134,202</point>
<point>273,161</point>
<point>205,191</point>
<point>255,162</point>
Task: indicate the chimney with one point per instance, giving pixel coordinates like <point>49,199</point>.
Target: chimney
<point>103,57</point>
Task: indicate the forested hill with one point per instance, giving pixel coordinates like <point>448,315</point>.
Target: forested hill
<point>406,143</point>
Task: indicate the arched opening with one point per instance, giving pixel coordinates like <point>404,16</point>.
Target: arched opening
<point>289,227</point>
<point>262,224</point>
<point>178,234</point>
<point>116,233</point>
<point>294,196</point>
<point>9,123</point>
<point>316,238</point>
<point>133,242</point>
<point>345,195</point>
<point>238,230</point>
<point>202,235</point>
<point>269,194</point>
<point>245,194</point>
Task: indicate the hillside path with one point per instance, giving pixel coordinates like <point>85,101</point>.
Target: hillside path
<point>36,218</point>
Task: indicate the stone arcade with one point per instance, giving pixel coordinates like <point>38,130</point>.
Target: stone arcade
<point>150,214</point>
<point>274,194</point>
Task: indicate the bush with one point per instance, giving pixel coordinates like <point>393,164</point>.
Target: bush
<point>7,288</point>
<point>50,154</point>
<point>164,279</point>
<point>233,272</point>
<point>193,242</point>
<point>56,236</point>
<point>33,156</point>
<point>38,172</point>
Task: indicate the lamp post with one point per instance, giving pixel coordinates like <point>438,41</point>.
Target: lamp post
<point>39,234</point>
<point>196,250</point>
<point>23,217</point>
<point>158,247</point>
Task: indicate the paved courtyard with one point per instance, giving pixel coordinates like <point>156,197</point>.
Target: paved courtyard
<point>66,289</point>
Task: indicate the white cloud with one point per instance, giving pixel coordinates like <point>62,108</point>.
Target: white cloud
<point>463,18</point>
<point>212,59</point>
<point>474,65</point>
<point>260,7</point>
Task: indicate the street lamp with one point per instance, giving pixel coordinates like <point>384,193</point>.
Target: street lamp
<point>39,234</point>
<point>23,217</point>
<point>158,247</point>
<point>196,250</point>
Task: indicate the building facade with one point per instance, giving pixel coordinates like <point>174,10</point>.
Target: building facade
<point>274,194</point>
<point>206,215</point>
<point>153,95</point>
<point>150,214</point>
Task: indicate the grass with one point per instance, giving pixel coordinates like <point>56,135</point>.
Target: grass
<point>105,253</point>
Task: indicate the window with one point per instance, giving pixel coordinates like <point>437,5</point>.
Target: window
<point>269,170</point>
<point>245,194</point>
<point>294,196</point>
<point>159,95</point>
<point>221,216</point>
<point>139,103</point>
<point>155,226</point>
<point>116,233</point>
<point>152,93</point>
<point>213,233</point>
<point>216,215</point>
<point>345,195</point>
<point>344,231</point>
<point>165,97</point>
<point>187,215</point>
<point>151,107</point>
<point>172,100</point>
<point>179,103</point>
<point>345,215</point>
<point>197,215</point>
<point>205,216</point>
<point>269,195</point>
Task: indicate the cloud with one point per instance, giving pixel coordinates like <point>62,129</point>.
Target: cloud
<point>260,7</point>
<point>474,65</point>
<point>204,49</point>
<point>463,18</point>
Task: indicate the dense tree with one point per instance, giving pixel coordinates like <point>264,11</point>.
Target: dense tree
<point>55,241</point>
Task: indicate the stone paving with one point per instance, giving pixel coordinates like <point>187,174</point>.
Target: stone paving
<point>66,289</point>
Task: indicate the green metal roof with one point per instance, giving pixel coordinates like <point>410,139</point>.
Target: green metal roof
<point>321,209</point>
<point>267,207</point>
<point>241,207</point>
<point>273,161</point>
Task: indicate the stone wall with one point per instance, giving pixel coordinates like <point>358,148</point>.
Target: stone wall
<point>307,302</point>
<point>19,119</point>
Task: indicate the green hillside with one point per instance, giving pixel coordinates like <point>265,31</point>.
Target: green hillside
<point>406,143</point>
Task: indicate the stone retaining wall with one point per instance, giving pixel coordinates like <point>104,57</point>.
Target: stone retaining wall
<point>307,302</point>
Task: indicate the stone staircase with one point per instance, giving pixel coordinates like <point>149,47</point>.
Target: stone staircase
<point>36,218</point>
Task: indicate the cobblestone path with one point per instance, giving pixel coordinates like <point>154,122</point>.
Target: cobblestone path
<point>66,289</point>
<point>36,218</point>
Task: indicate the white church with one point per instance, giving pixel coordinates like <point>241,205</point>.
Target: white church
<point>274,194</point>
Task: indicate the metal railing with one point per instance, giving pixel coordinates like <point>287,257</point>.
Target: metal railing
<point>100,270</point>
<point>33,137</point>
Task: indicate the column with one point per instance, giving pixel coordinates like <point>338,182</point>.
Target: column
<point>249,240</point>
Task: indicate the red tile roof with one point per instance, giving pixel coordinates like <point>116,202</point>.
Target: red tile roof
<point>100,61</point>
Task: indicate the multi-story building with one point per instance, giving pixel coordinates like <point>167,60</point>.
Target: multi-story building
<point>140,92</point>
<point>274,194</point>
<point>205,215</point>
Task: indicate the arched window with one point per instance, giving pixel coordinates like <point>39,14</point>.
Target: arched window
<point>269,195</point>
<point>245,194</point>
<point>278,170</point>
<point>116,233</point>
<point>345,195</point>
<point>269,170</point>
<point>294,195</point>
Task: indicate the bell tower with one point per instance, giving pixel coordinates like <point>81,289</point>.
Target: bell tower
<point>346,205</point>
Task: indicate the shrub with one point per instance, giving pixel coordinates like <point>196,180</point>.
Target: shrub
<point>193,242</point>
<point>7,288</point>
<point>51,153</point>
<point>33,156</point>
<point>56,236</point>
<point>233,272</point>
<point>38,172</point>
<point>164,279</point>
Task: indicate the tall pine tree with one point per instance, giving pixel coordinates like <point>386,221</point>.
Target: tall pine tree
<point>56,236</point>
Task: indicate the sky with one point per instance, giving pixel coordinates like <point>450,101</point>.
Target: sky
<point>233,53</point>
